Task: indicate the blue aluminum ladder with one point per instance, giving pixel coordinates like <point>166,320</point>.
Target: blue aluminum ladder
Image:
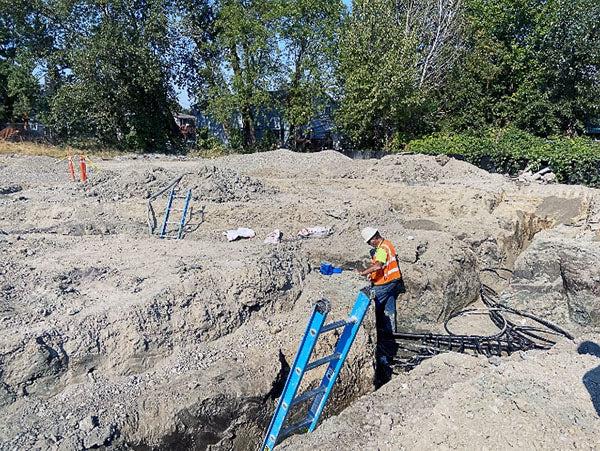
<point>164,230</point>
<point>276,432</point>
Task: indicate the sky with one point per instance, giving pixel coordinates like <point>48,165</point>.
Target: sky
<point>184,99</point>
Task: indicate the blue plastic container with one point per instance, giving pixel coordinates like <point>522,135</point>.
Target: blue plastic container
<point>326,269</point>
<point>337,270</point>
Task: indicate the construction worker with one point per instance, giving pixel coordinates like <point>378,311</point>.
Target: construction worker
<point>386,279</point>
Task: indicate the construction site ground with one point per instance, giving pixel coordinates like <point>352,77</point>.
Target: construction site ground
<point>113,338</point>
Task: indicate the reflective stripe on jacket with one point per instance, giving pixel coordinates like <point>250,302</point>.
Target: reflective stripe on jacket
<point>390,270</point>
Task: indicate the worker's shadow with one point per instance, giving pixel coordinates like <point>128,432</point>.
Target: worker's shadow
<point>591,379</point>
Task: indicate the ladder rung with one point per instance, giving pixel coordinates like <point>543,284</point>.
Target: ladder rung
<point>308,395</point>
<point>294,427</point>
<point>336,325</point>
<point>179,197</point>
<point>322,361</point>
<point>173,222</point>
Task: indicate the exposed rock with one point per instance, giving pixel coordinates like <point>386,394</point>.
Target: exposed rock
<point>99,436</point>
<point>442,159</point>
<point>558,277</point>
<point>549,177</point>
<point>36,359</point>
<point>495,360</point>
<point>441,277</point>
<point>563,210</point>
<point>88,423</point>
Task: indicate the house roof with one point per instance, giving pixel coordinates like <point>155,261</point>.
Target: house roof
<point>184,116</point>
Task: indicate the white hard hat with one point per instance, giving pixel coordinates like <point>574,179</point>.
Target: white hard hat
<point>368,233</point>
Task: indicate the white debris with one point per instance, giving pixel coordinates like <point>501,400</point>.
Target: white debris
<point>238,233</point>
<point>274,237</point>
<point>544,175</point>
<point>315,232</point>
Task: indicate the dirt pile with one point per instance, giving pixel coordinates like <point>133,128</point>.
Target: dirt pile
<point>454,401</point>
<point>112,337</point>
<point>208,183</point>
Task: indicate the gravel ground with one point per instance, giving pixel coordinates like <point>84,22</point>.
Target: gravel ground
<point>111,337</point>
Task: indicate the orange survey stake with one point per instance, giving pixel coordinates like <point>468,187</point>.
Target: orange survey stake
<point>71,168</point>
<point>82,168</point>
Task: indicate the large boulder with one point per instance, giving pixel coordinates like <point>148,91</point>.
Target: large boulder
<point>441,277</point>
<point>558,277</point>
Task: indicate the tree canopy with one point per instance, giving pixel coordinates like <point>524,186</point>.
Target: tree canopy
<point>108,71</point>
<point>244,57</point>
<point>533,64</point>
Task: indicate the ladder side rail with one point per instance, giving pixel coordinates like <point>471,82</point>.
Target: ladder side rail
<point>307,345</point>
<point>165,189</point>
<point>188,197</point>
<point>163,230</point>
<point>342,347</point>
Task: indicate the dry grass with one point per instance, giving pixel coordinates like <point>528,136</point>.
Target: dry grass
<point>215,152</point>
<point>28,148</point>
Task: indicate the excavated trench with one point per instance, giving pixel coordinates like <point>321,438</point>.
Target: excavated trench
<point>224,420</point>
<point>243,426</point>
<point>202,365</point>
<point>228,422</point>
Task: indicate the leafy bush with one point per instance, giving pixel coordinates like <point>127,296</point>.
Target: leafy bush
<point>575,161</point>
<point>207,145</point>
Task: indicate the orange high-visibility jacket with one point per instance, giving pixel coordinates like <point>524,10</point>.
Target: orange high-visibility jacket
<point>390,270</point>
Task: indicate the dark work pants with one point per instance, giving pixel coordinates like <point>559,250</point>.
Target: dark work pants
<point>385,320</point>
<point>385,306</point>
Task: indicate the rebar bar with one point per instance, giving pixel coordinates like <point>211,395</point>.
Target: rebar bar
<point>413,348</point>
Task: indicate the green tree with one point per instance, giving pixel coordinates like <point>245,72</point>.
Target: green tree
<point>108,77</point>
<point>533,64</point>
<point>244,58</point>
<point>308,41</point>
<point>393,57</point>
<point>230,64</point>
<point>375,81</point>
<point>22,33</point>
